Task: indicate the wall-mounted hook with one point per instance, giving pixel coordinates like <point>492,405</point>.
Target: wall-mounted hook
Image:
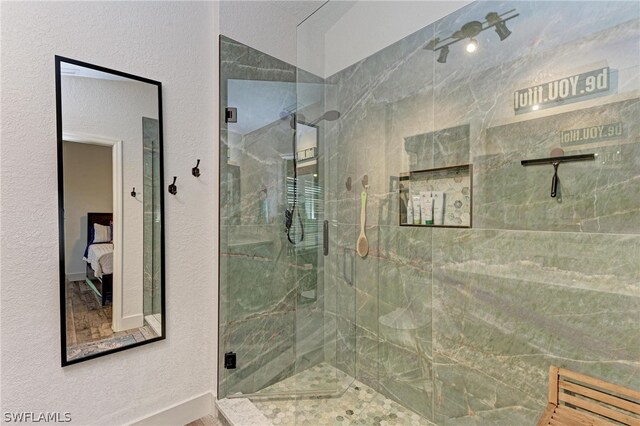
<point>196,171</point>
<point>347,184</point>
<point>133,193</point>
<point>365,181</point>
<point>173,189</point>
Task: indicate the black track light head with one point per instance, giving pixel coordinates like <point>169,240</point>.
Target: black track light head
<point>444,52</point>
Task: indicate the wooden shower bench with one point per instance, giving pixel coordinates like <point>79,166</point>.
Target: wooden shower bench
<point>579,400</point>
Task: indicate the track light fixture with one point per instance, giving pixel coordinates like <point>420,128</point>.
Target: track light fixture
<point>499,24</point>
<point>472,46</point>
<point>470,30</point>
<point>444,52</point>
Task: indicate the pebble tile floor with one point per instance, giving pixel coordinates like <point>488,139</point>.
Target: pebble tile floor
<point>358,405</point>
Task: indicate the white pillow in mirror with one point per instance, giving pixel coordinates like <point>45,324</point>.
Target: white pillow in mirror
<point>101,233</point>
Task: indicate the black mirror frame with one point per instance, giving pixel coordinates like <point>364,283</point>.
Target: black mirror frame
<point>61,266</point>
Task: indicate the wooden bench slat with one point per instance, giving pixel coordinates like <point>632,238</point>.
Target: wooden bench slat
<point>600,396</point>
<point>599,409</point>
<point>569,415</point>
<point>579,400</point>
<point>546,415</point>
<point>600,383</point>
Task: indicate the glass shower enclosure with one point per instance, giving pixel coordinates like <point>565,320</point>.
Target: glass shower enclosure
<point>492,253</point>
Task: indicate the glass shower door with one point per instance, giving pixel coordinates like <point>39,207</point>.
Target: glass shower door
<point>271,321</point>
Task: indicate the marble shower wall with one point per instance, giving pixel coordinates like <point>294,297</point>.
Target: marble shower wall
<point>461,325</point>
<point>261,275</point>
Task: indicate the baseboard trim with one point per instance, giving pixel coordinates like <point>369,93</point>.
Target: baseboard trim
<point>181,413</point>
<point>76,276</point>
<point>131,321</point>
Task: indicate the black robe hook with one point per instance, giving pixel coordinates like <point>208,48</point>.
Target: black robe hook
<point>196,171</point>
<point>133,193</point>
<point>173,189</point>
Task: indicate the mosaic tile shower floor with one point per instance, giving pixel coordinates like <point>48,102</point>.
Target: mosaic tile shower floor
<point>358,405</point>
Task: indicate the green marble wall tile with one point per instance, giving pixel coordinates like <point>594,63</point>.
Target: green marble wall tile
<point>595,196</point>
<point>442,148</point>
<point>465,395</point>
<point>367,353</point>
<point>346,355</point>
<point>264,348</point>
<point>406,375</point>
<point>511,316</point>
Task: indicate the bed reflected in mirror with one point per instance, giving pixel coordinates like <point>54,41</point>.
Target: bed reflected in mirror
<point>110,193</point>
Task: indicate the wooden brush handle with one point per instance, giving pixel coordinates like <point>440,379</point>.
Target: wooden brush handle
<point>363,210</point>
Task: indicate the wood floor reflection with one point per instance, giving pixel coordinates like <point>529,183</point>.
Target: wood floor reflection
<point>89,322</point>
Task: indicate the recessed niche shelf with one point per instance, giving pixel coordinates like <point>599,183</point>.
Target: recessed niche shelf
<point>453,184</point>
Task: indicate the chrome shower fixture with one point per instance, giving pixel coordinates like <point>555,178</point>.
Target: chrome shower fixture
<point>470,30</point>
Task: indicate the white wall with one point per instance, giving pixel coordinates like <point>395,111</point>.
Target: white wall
<point>260,25</point>
<point>88,187</point>
<point>113,109</point>
<point>369,26</point>
<point>175,43</point>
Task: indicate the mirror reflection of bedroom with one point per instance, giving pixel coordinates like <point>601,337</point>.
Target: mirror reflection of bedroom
<point>111,207</point>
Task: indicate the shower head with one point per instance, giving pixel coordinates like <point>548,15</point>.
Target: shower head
<point>331,115</point>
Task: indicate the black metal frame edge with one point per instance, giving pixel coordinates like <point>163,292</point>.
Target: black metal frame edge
<point>564,159</point>
<point>61,255</point>
<point>106,70</point>
<point>221,123</point>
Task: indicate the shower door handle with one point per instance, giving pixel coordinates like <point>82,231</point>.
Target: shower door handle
<point>325,238</point>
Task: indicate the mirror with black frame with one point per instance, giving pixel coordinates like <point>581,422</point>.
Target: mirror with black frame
<point>110,180</point>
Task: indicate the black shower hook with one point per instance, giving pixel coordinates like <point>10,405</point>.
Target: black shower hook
<point>133,193</point>
<point>196,171</point>
<point>173,189</point>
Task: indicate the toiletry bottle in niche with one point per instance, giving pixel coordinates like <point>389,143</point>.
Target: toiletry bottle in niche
<point>408,219</point>
<point>426,206</point>
<point>416,209</point>
<point>438,207</point>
